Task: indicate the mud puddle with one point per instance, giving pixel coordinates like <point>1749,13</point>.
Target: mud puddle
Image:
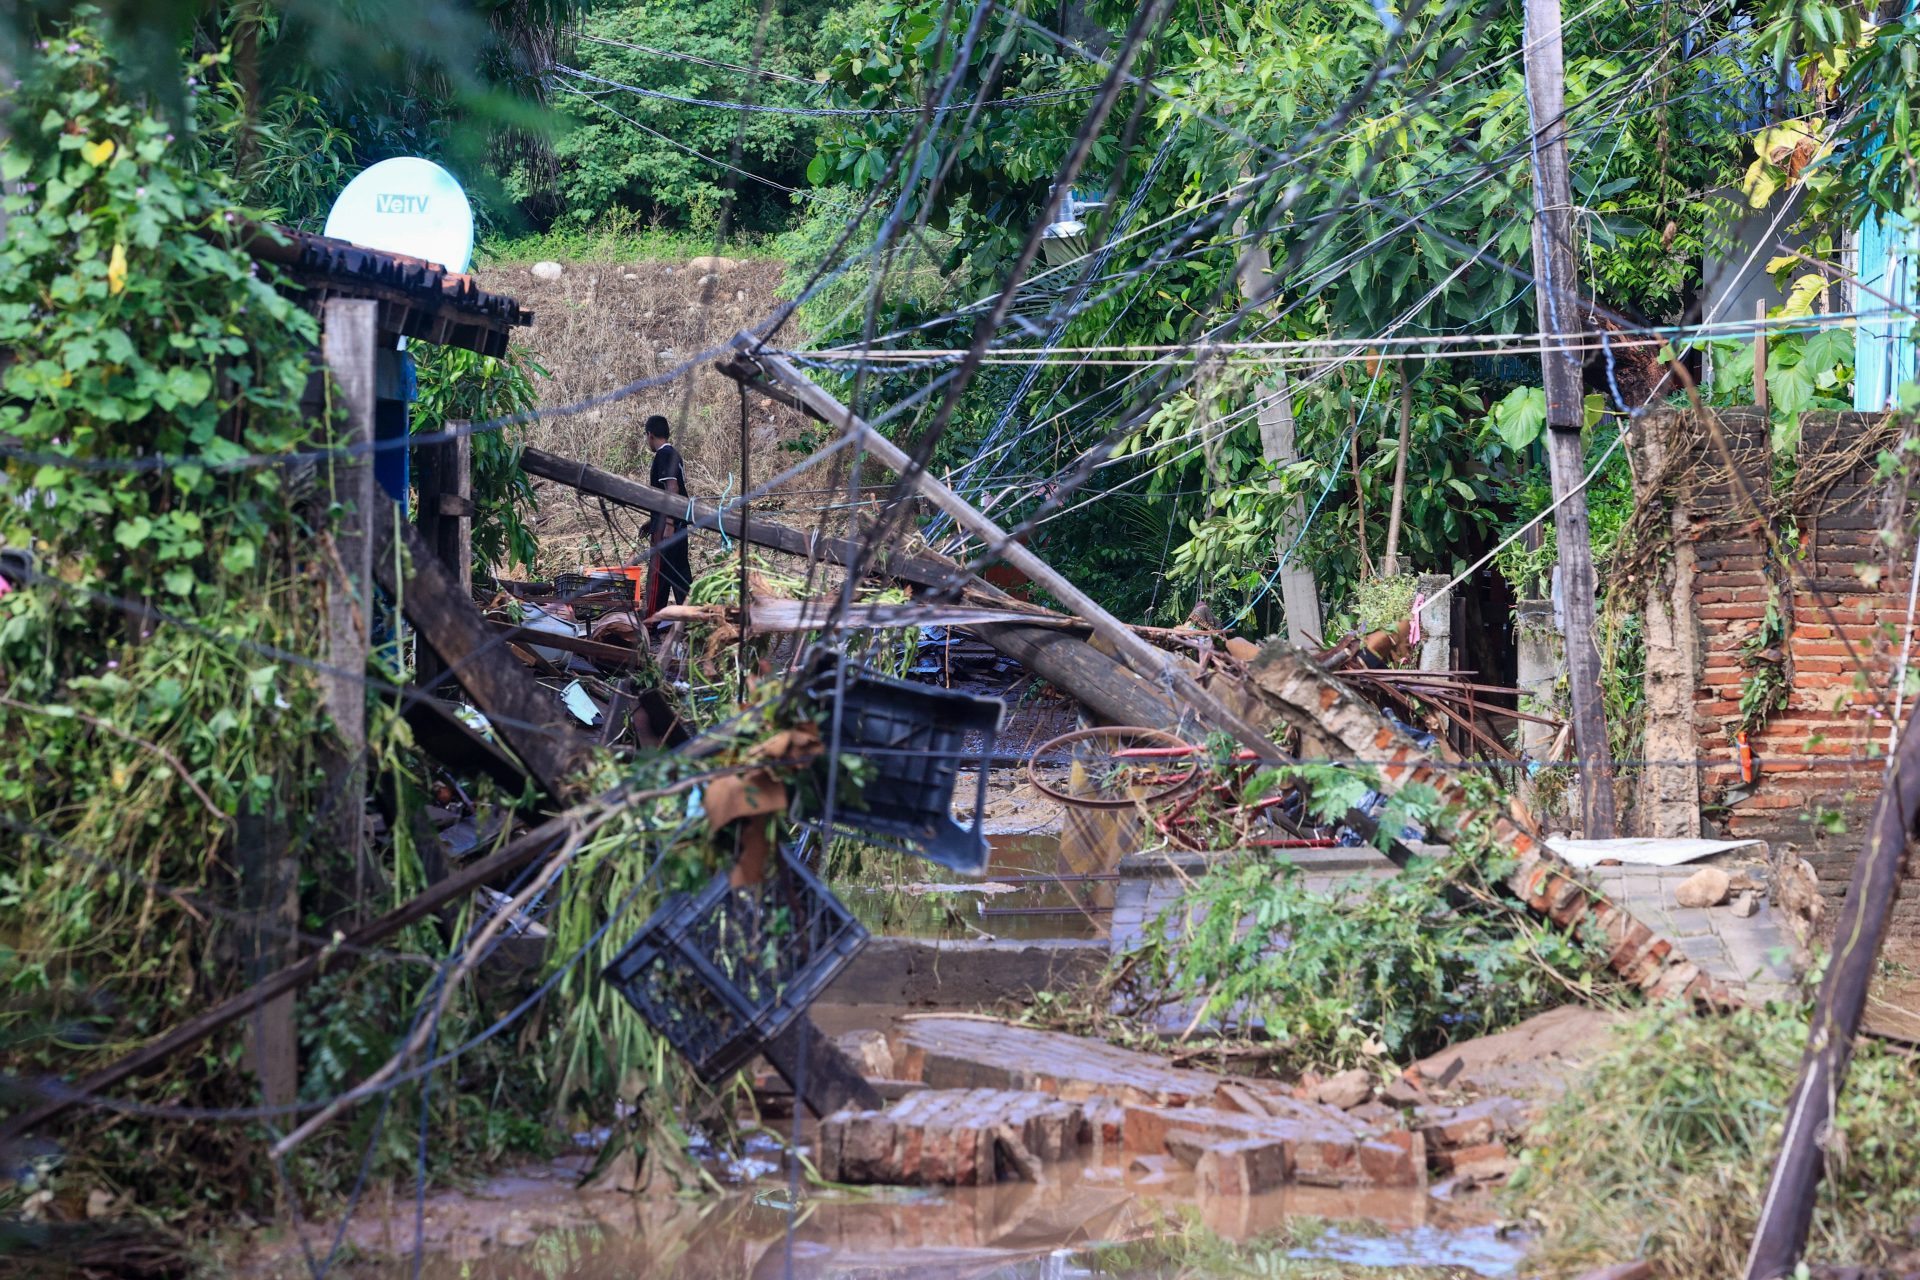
<point>1089,1222</point>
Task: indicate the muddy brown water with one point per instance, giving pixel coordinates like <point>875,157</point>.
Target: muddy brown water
<point>1089,1220</point>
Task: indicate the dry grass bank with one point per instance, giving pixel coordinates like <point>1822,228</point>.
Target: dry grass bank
<point>603,324</point>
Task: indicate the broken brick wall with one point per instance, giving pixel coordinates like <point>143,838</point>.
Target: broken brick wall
<point>1842,609</point>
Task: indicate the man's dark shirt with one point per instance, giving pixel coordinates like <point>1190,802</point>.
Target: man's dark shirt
<point>667,466</point>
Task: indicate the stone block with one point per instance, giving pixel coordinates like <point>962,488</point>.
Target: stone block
<point>1243,1167</point>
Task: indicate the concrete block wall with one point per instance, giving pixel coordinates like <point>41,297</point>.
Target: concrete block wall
<point>1842,632</point>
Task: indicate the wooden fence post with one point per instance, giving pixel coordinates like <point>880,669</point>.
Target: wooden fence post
<point>347,343</point>
<point>445,521</point>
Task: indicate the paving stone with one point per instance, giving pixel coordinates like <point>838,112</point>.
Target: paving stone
<point>964,1053</point>
<point>1689,922</point>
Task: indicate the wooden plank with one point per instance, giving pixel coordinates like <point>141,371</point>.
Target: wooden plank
<point>269,883</point>
<point>920,569</point>
<point>445,482</point>
<point>1786,1212</point>
<point>530,721</point>
<point>593,650</point>
<point>1561,309</point>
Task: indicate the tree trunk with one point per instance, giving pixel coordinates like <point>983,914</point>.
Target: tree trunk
<point>1390,565</point>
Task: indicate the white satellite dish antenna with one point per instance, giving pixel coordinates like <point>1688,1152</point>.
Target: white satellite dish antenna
<point>406,205</point>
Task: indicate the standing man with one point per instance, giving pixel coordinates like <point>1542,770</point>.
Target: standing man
<point>669,574</point>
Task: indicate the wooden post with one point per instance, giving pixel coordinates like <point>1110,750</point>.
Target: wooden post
<point>1786,1212</point>
<point>445,521</point>
<point>1561,310</point>
<point>347,342</point>
<point>270,893</point>
<point>1760,354</point>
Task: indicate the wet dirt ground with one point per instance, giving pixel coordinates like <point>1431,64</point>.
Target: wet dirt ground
<point>1089,1221</point>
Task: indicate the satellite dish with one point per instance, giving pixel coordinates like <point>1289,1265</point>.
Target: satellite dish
<point>406,205</point>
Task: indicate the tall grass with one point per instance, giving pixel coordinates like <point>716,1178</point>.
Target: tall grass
<point>1662,1150</point>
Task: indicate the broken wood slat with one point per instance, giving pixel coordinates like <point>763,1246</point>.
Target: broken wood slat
<point>594,650</point>
<point>921,569</point>
<point>1786,1212</point>
<point>531,722</point>
<point>819,1071</point>
<point>315,964</point>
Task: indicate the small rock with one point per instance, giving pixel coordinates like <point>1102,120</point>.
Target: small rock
<point>1706,887</point>
<point>668,354</point>
<point>1346,1091</point>
<point>99,1203</point>
<point>1746,906</point>
<point>707,280</point>
<point>739,295</point>
<point>628,275</point>
<point>1474,1173</point>
<point>707,264</point>
<point>546,271</point>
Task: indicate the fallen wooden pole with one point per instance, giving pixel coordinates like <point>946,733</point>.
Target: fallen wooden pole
<point>1786,1213</point>
<point>924,570</point>
<point>1155,666</point>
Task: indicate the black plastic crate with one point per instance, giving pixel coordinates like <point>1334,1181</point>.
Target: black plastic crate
<point>721,972</point>
<point>913,738</point>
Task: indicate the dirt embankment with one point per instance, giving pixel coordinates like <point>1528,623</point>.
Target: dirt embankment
<point>601,325</point>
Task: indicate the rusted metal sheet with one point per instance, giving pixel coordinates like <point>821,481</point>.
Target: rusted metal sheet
<point>417,299</point>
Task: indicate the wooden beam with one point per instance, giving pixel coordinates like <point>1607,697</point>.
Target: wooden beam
<point>525,717</point>
<point>820,1073</point>
<point>347,344</point>
<point>922,570</point>
<point>1786,1212</point>
<point>456,744</point>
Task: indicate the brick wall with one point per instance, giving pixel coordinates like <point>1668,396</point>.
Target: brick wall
<point>1837,625</point>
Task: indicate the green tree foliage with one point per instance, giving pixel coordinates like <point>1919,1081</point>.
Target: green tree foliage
<point>1391,205</point>
<point>624,151</point>
<point>457,385</point>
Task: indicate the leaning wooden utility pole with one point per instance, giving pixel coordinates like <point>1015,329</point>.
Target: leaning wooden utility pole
<point>1560,310</point>
<point>1786,1212</point>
